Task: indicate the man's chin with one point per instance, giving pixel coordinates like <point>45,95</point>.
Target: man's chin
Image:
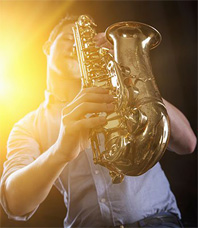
<point>74,76</point>
<point>69,71</point>
<point>70,74</point>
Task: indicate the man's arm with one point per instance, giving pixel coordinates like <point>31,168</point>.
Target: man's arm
<point>182,138</point>
<point>28,186</point>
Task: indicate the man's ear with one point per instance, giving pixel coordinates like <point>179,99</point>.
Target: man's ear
<point>46,47</point>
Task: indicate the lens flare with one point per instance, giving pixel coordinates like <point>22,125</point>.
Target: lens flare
<point>24,27</point>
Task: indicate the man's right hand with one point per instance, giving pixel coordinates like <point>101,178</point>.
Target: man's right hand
<point>26,188</point>
<point>75,127</point>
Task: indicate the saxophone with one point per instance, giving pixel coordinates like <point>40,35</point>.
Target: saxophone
<point>137,132</point>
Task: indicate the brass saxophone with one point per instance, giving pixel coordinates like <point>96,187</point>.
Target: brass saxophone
<point>136,134</point>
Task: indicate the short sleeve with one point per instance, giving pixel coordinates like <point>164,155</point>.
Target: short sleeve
<point>22,149</point>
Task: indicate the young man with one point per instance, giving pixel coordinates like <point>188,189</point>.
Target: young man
<point>51,145</point>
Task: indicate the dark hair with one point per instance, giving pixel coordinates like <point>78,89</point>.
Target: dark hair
<point>57,29</point>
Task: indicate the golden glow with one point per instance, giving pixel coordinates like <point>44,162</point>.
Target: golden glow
<point>6,86</point>
<point>24,27</point>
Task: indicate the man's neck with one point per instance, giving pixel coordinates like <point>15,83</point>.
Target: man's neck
<point>65,89</point>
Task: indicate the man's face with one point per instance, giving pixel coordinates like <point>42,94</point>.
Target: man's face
<point>60,59</point>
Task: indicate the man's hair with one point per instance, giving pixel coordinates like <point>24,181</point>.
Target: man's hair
<point>57,29</point>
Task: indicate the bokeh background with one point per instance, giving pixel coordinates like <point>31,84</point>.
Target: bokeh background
<point>24,27</point>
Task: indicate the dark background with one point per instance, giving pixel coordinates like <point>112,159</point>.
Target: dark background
<point>174,64</point>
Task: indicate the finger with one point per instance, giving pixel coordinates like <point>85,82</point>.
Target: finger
<point>92,122</point>
<point>106,45</point>
<point>98,90</point>
<point>100,39</point>
<point>88,107</point>
<point>89,97</point>
<point>96,98</point>
<point>89,91</point>
<point>111,51</point>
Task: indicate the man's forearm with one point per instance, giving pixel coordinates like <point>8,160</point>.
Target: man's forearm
<point>182,139</point>
<point>26,188</point>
